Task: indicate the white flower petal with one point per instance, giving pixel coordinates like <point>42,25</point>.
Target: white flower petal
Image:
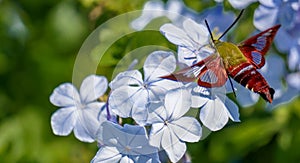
<point>158,89</point>
<point>63,121</point>
<point>126,159</point>
<point>233,110</point>
<point>156,134</point>
<point>214,114</point>
<point>113,135</point>
<point>136,133</point>
<point>86,126</point>
<point>176,35</point>
<point>157,113</point>
<point>177,103</point>
<point>107,155</point>
<point>159,63</point>
<point>150,158</point>
<point>197,32</point>
<point>87,123</point>
<point>122,100</point>
<point>186,56</point>
<point>127,78</point>
<point>92,88</point>
<point>187,129</point>
<point>65,95</point>
<point>199,95</point>
<point>174,148</point>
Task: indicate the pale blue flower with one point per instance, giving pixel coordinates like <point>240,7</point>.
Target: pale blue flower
<point>132,95</point>
<point>80,111</point>
<point>171,129</point>
<point>191,40</point>
<point>125,144</point>
<point>215,107</point>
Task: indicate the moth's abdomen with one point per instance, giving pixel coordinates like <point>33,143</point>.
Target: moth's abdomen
<point>247,75</point>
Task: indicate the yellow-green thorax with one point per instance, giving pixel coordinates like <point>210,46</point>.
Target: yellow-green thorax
<point>230,53</point>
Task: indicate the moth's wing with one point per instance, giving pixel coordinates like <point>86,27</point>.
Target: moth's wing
<point>190,74</point>
<point>209,72</point>
<point>257,46</point>
<point>213,74</point>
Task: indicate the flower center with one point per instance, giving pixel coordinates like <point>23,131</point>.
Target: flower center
<point>145,85</point>
<point>79,105</point>
<point>127,148</point>
<point>166,123</point>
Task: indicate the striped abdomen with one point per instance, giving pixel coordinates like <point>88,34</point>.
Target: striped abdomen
<point>247,75</point>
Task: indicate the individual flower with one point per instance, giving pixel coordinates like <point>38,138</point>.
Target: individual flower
<point>125,144</point>
<point>171,129</point>
<point>79,110</point>
<point>191,40</point>
<point>215,107</point>
<point>175,10</point>
<point>132,95</point>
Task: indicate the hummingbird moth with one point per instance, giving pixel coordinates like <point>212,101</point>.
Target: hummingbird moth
<point>239,62</point>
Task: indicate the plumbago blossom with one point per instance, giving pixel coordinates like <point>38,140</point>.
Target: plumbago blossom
<point>194,37</point>
<point>216,107</point>
<point>170,128</point>
<point>190,41</point>
<point>125,144</point>
<point>132,95</point>
<point>80,111</point>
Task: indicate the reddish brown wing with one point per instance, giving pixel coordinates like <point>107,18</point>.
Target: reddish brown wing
<point>210,72</point>
<point>257,46</point>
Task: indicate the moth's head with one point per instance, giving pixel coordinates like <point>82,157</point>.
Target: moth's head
<point>217,42</point>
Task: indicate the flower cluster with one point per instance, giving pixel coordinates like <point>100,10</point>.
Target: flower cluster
<point>151,101</point>
<point>158,107</point>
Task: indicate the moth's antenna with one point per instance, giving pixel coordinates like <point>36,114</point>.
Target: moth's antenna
<point>211,36</point>
<point>232,24</point>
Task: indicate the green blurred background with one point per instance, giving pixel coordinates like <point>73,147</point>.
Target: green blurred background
<point>39,41</point>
